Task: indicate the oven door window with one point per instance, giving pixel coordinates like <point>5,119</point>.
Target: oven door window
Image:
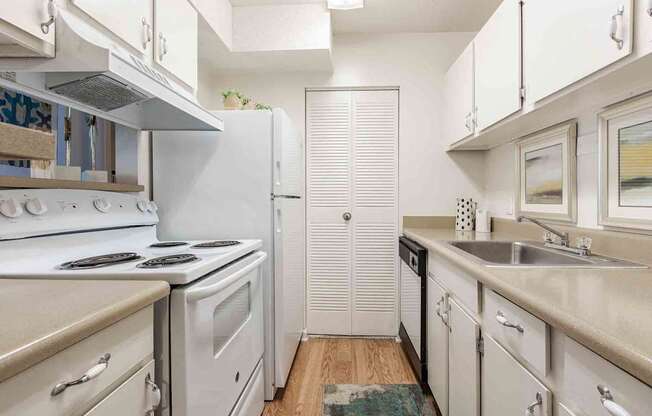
<point>230,315</point>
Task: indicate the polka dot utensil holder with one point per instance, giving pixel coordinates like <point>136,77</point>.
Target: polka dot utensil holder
<point>465,214</point>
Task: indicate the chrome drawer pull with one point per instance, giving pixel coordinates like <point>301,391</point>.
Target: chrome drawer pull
<point>90,374</point>
<point>607,399</point>
<point>616,30</point>
<point>539,402</point>
<point>504,322</point>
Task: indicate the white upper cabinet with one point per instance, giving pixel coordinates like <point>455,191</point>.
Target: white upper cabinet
<point>130,20</point>
<point>21,34</point>
<point>498,65</point>
<point>458,97</point>
<point>175,39</point>
<point>565,41</point>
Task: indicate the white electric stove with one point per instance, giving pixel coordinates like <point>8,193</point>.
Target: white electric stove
<point>212,324</point>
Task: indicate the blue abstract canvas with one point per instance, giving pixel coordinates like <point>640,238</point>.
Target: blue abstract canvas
<point>25,111</point>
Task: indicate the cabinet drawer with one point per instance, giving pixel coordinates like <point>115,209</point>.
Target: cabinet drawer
<point>130,343</point>
<point>458,283</point>
<point>520,332</point>
<point>584,371</point>
<point>131,398</point>
<point>508,388</point>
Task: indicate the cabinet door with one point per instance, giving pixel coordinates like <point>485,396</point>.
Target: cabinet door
<point>508,388</point>
<point>437,334</point>
<point>20,29</point>
<point>130,20</point>
<point>458,98</point>
<point>556,53</point>
<point>464,363</point>
<point>498,65</point>
<point>175,39</point>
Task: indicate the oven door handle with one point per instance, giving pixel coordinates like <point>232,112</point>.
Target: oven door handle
<point>193,295</point>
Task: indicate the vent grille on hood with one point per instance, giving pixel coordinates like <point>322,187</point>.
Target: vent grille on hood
<point>100,91</point>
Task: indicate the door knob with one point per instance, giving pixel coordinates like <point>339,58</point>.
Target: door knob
<point>346,216</point>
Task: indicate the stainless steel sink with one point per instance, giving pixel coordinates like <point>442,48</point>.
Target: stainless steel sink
<point>532,254</point>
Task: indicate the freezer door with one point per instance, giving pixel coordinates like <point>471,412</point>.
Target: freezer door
<point>288,156</point>
<point>289,279</point>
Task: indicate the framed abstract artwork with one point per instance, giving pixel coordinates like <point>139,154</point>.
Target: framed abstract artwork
<point>546,173</point>
<point>625,136</point>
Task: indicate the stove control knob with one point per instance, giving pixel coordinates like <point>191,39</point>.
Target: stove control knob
<point>142,206</point>
<point>102,205</point>
<point>36,206</point>
<point>11,208</point>
<point>152,206</point>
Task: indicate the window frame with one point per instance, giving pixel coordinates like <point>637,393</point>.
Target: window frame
<point>622,115</point>
<point>564,134</point>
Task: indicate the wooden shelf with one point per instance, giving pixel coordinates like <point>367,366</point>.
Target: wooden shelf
<point>23,182</point>
<point>22,143</point>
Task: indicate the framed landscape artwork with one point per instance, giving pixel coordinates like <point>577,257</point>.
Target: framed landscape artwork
<point>545,173</point>
<point>625,134</point>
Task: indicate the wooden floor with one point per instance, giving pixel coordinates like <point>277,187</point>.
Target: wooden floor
<point>322,361</point>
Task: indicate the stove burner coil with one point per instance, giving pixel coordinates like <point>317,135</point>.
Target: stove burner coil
<point>164,244</point>
<point>100,261</point>
<point>174,259</point>
<point>214,244</point>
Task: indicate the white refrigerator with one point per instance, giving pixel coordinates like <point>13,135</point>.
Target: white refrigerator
<point>244,182</point>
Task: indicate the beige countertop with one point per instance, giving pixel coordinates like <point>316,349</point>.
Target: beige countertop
<point>609,311</point>
<point>39,318</point>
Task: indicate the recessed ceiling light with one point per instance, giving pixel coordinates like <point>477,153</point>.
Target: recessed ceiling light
<point>345,4</point>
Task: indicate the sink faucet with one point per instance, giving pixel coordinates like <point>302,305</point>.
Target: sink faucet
<point>562,235</point>
<point>584,245</point>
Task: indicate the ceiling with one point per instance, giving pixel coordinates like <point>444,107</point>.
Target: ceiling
<point>383,16</point>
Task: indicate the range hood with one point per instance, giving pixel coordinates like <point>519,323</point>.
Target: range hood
<point>91,72</point>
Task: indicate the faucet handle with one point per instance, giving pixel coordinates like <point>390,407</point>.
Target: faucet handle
<point>584,242</point>
<point>549,237</point>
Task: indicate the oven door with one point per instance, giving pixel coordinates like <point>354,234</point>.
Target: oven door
<point>216,338</point>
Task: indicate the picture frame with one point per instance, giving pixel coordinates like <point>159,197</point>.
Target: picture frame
<point>625,177</point>
<point>546,173</point>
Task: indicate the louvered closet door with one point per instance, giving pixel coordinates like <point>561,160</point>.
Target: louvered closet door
<point>374,214</point>
<point>328,124</point>
<point>352,148</point>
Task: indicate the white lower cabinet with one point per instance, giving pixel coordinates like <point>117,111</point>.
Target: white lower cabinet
<point>508,388</point>
<point>437,317</point>
<point>123,351</point>
<point>522,366</point>
<point>594,386</point>
<point>463,363</point>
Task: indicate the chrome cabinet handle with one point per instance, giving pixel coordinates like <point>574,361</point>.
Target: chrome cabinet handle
<point>607,400</point>
<point>52,14</point>
<point>154,393</point>
<point>442,315</point>
<point>500,318</point>
<point>90,374</point>
<point>163,47</point>
<point>538,402</point>
<point>147,33</point>
<point>346,216</point>
<point>649,9</point>
<point>467,120</point>
<point>616,31</point>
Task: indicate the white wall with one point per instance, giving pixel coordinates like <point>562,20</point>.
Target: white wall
<point>429,178</point>
<point>281,27</point>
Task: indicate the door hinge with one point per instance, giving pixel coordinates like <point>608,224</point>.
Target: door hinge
<point>480,345</point>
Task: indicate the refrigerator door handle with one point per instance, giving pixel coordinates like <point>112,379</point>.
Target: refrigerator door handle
<point>274,196</point>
